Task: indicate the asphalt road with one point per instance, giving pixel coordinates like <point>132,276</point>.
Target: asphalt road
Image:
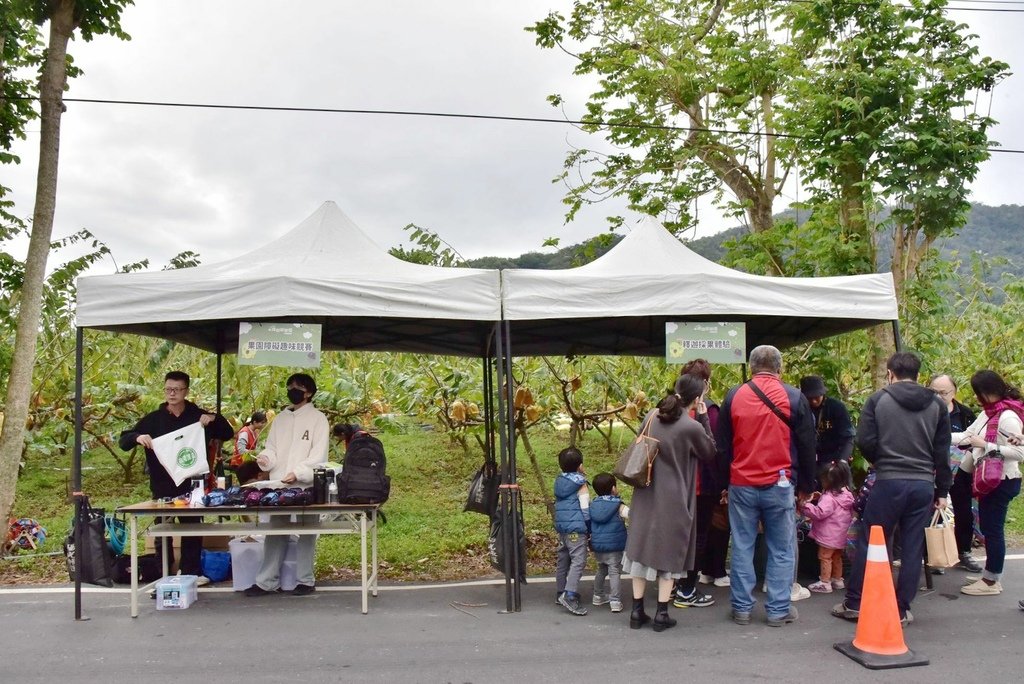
<point>456,633</point>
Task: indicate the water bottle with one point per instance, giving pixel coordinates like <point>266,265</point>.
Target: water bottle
<point>332,492</point>
<point>783,480</point>
<point>198,491</point>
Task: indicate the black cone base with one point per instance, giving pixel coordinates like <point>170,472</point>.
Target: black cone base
<point>874,661</point>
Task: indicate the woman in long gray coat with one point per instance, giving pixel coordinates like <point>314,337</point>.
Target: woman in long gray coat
<point>661,544</point>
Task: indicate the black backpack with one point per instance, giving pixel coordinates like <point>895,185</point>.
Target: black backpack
<point>362,479</point>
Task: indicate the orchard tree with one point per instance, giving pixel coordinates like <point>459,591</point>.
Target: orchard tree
<point>90,18</point>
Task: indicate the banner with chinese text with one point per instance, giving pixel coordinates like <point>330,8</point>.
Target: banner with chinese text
<point>714,342</point>
<point>279,344</point>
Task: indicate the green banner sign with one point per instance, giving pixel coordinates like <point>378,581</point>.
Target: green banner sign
<point>714,342</point>
<point>279,344</point>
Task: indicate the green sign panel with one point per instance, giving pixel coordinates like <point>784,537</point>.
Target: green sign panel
<point>714,342</point>
<point>279,344</point>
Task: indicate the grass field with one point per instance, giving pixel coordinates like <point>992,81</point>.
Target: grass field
<point>427,536</point>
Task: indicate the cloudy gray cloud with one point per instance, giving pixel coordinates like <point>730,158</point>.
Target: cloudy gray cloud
<point>155,181</point>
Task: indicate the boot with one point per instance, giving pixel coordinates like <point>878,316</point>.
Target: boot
<point>661,619</point>
<point>638,617</point>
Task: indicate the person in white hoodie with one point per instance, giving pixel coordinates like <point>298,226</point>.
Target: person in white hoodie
<point>297,443</point>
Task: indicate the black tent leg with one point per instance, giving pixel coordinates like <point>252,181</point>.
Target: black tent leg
<point>518,563</point>
<point>896,335</point>
<point>76,475</point>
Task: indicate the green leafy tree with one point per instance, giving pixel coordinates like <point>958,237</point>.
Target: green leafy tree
<point>90,18</point>
<point>688,94</point>
<point>890,114</point>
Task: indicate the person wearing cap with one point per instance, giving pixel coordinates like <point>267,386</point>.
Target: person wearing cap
<point>298,442</point>
<point>832,423</point>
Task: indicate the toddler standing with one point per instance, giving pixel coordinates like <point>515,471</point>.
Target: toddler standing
<point>831,513</point>
<point>572,522</point>
<point>608,540</point>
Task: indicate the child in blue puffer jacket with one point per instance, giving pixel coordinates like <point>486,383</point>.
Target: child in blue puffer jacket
<point>608,540</point>
<point>572,523</point>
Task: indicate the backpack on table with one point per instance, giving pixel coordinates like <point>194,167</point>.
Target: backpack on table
<point>363,478</point>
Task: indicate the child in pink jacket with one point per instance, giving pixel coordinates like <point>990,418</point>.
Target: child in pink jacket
<point>831,512</point>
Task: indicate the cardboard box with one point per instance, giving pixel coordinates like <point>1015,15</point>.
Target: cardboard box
<point>177,592</point>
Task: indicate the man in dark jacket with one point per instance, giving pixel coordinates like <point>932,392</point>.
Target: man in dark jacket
<point>174,414</point>
<point>832,423</point>
<point>960,495</point>
<point>766,443</point>
<point>904,433</point>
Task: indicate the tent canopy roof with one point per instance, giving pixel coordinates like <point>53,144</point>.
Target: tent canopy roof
<point>326,270</point>
<point>620,302</point>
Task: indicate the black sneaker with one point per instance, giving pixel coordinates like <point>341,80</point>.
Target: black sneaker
<point>694,600</point>
<point>968,563</point>
<point>256,590</point>
<point>303,590</point>
<point>572,604</point>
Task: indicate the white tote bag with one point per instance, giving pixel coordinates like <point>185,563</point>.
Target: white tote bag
<point>182,453</point>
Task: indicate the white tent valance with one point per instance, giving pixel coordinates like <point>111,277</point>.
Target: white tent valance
<point>328,271</point>
<point>325,270</point>
<point>620,302</point>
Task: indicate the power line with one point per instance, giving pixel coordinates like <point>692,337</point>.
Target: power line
<point>946,8</point>
<point>450,115</point>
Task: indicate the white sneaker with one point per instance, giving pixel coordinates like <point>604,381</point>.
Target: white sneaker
<point>705,579</point>
<point>722,581</point>
<point>798,593</point>
<point>202,581</point>
<point>616,606</point>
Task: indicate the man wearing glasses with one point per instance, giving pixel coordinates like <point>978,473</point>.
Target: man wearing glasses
<point>960,417</point>
<point>175,413</point>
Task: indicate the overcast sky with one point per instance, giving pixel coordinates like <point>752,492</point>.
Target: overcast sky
<point>152,182</point>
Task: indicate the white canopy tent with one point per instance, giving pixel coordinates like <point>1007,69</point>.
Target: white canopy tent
<point>328,271</point>
<point>325,270</point>
<point>620,302</point>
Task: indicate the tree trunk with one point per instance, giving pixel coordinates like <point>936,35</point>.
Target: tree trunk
<point>549,502</point>
<point>19,384</point>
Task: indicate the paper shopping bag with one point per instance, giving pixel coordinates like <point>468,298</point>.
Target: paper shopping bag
<point>941,541</point>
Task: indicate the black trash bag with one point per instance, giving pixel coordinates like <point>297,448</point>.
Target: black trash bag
<point>94,558</point>
<point>483,491</point>
<point>496,542</point>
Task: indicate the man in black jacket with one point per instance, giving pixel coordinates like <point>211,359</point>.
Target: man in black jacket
<point>832,423</point>
<point>904,432</point>
<point>960,418</point>
<point>174,414</point>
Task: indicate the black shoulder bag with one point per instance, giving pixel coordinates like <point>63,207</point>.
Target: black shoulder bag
<point>769,403</point>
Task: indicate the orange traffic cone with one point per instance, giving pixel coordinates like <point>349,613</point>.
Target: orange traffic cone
<point>878,644</point>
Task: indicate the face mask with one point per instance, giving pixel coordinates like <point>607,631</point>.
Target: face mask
<point>296,395</point>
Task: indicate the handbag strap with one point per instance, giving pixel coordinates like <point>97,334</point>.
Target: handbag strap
<point>769,403</point>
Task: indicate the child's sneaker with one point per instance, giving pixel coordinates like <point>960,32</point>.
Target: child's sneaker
<point>572,604</point>
<point>838,583</point>
<point>798,593</point>
<point>820,587</point>
<point>722,581</point>
<point>558,597</point>
<point>705,579</point>
<point>616,606</point>
<point>601,600</point>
